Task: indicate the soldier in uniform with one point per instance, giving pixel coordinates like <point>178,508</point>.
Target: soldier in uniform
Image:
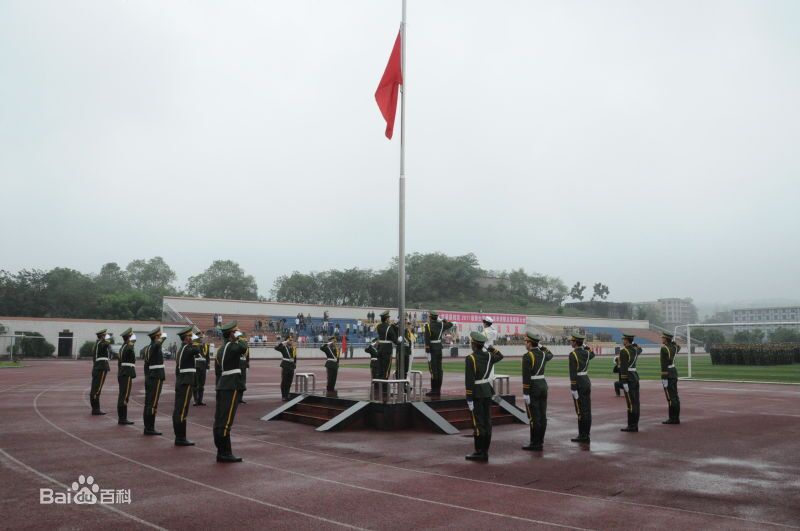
<point>477,367</point>
<point>388,336</point>
<point>201,365</point>
<point>581,386</point>
<point>433,332</point>
<point>185,371</point>
<point>372,350</point>
<point>100,369</point>
<point>406,349</point>
<point>618,383</point>
<point>331,364</point>
<point>629,377</point>
<point>288,364</point>
<point>244,364</point>
<point>669,377</point>
<point>534,389</point>
<point>153,379</point>
<point>229,385</point>
<point>126,372</point>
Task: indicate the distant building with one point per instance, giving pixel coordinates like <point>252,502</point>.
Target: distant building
<point>766,316</point>
<point>671,312</point>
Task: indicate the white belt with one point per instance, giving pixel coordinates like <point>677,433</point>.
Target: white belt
<point>156,366</point>
<point>373,359</point>
<point>537,377</point>
<point>584,373</point>
<point>436,340</point>
<point>101,359</point>
<point>232,371</point>
<point>670,366</point>
<point>383,341</point>
<point>485,380</point>
<point>188,370</point>
<point>288,359</point>
<point>631,369</point>
<point>127,365</point>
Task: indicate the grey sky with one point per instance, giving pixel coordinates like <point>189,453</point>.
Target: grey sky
<point>649,145</point>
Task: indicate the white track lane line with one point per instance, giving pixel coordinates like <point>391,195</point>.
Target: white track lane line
<point>178,476</point>
<point>62,485</point>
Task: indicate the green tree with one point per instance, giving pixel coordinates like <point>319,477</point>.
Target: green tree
<point>576,291</point>
<point>69,293</point>
<point>785,335</point>
<point>224,279</point>
<point>152,276</point>
<point>112,279</point>
<point>600,291</point>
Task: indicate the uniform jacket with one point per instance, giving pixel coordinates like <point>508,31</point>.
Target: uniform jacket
<point>332,355</point>
<point>154,356</point>
<point>127,355</point>
<point>668,353</point>
<point>100,353</point>
<point>184,364</point>
<point>491,336</point>
<point>433,332</point>
<point>227,366</point>
<point>388,336</point>
<point>533,363</point>
<point>202,360</point>
<point>244,358</point>
<point>628,356</point>
<point>288,355</point>
<point>578,363</point>
<point>477,368</point>
<point>372,351</point>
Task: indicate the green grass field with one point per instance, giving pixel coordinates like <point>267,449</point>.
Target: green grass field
<point>649,369</point>
<point>9,365</point>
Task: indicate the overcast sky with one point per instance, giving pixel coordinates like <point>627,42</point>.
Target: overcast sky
<point>649,145</point>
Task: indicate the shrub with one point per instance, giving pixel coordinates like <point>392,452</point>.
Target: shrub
<point>31,345</point>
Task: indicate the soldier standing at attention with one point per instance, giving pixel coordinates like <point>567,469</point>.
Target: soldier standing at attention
<point>154,379</point>
<point>629,377</point>
<point>534,389</point>
<point>372,350</point>
<point>100,369</point>
<point>388,336</point>
<point>126,372</point>
<point>433,332</point>
<point>406,349</point>
<point>581,386</point>
<point>331,364</point>
<point>184,381</point>
<point>477,367</point>
<point>201,363</point>
<point>288,364</point>
<point>229,385</point>
<point>669,377</point>
<point>244,364</point>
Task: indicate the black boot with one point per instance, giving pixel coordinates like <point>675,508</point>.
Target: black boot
<point>533,447</point>
<point>200,398</point>
<point>122,416</point>
<point>180,435</point>
<point>96,407</point>
<point>227,454</point>
<point>150,425</point>
<point>630,429</point>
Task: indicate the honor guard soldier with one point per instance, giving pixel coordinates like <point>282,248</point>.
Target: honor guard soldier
<point>288,365</point>
<point>185,371</point>
<point>201,364</point>
<point>126,372</point>
<point>331,364</point>
<point>581,386</point>
<point>618,383</point>
<point>153,379</point>
<point>629,377</point>
<point>100,369</point>
<point>477,368</point>
<point>669,377</point>
<point>372,350</point>
<point>534,389</point>
<point>388,336</point>
<point>433,332</point>
<point>229,385</point>
<point>244,364</point>
<point>406,349</point>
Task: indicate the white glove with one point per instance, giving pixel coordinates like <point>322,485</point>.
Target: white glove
<point>133,337</point>
<point>108,336</point>
<point>429,357</point>
<point>470,405</point>
<point>439,319</point>
<point>195,337</point>
<point>625,386</point>
<point>664,382</point>
<point>575,395</point>
<point>237,334</point>
<point>527,399</point>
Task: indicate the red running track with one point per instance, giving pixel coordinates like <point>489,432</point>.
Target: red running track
<point>732,464</point>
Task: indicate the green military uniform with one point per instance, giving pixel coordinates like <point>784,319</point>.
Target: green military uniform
<point>581,387</point>
<point>406,349</point>
<point>629,376</point>
<point>669,378</point>
<point>126,372</point>
<point>201,365</point>
<point>372,350</point>
<point>153,379</point>
<point>534,388</point>
<point>288,365</point>
<point>388,337</point>
<point>479,391</point>
<point>185,371</point>
<point>100,369</point>
<point>433,332</point>
<point>331,365</point>
<point>229,385</point>
<point>244,364</point>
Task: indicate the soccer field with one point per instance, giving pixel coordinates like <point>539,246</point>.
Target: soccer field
<point>649,369</point>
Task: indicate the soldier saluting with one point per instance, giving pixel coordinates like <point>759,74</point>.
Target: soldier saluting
<point>331,364</point>
<point>244,364</point>
<point>372,350</point>
<point>126,372</point>
<point>433,332</point>
<point>629,377</point>
<point>388,336</point>
<point>288,364</point>
<point>534,389</point>
<point>201,363</point>
<point>477,367</point>
<point>229,385</point>
<point>669,377</point>
<point>154,379</point>
<point>100,369</point>
<point>184,381</point>
<point>581,386</point>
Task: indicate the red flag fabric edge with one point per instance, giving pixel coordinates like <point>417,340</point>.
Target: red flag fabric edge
<point>389,86</point>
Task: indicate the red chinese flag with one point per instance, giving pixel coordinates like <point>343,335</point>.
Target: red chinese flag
<point>344,346</point>
<point>388,88</point>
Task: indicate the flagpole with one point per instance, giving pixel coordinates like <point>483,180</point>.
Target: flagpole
<point>402,245</point>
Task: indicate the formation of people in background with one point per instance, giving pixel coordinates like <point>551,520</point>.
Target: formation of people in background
<point>232,360</point>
